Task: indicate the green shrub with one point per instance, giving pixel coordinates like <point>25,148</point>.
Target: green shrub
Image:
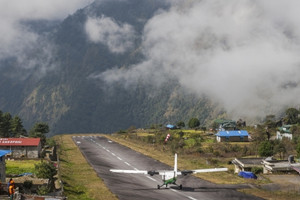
<point>42,190</point>
<point>189,143</point>
<point>257,170</point>
<point>45,170</point>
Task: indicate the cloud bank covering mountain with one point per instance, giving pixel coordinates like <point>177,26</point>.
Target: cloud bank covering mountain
<point>242,54</point>
<point>81,61</point>
<point>17,38</point>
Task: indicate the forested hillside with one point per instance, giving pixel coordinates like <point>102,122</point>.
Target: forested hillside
<point>63,92</point>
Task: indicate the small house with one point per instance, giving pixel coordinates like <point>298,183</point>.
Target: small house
<point>272,166</point>
<point>3,164</point>
<point>224,125</point>
<point>246,164</point>
<point>170,126</point>
<point>284,131</point>
<point>22,147</point>
<point>232,136</point>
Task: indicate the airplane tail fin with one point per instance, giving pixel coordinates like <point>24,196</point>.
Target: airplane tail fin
<point>175,164</point>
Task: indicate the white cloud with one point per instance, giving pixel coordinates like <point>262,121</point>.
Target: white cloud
<point>243,54</point>
<point>118,37</point>
<point>39,9</point>
<point>16,38</point>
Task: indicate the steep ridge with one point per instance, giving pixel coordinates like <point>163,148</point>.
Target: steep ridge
<point>71,101</point>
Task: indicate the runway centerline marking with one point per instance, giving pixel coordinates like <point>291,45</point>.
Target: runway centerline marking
<point>152,179</point>
<point>192,198</point>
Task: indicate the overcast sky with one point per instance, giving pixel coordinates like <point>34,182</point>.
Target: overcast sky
<point>243,54</point>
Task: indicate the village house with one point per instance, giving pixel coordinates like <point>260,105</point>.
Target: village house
<point>246,164</point>
<point>22,147</point>
<point>284,131</point>
<point>273,166</point>
<point>224,125</point>
<point>232,136</point>
<point>170,126</point>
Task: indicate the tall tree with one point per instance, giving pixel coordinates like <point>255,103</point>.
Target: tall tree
<point>180,124</point>
<point>265,149</point>
<point>17,128</point>
<point>291,116</point>
<point>5,125</point>
<point>40,130</point>
<point>194,122</point>
<point>280,149</point>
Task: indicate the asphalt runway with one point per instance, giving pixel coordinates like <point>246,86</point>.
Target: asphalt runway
<point>103,155</point>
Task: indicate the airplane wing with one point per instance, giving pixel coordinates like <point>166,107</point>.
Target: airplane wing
<point>185,172</point>
<point>134,171</point>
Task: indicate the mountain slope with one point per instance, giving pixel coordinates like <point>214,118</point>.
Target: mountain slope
<point>70,100</point>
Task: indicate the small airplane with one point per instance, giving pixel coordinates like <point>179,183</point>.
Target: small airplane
<point>168,176</point>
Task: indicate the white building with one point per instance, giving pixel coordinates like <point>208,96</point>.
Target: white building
<point>284,131</point>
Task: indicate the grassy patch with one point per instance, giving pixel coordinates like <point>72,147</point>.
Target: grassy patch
<point>276,195</point>
<point>79,178</point>
<point>194,161</point>
<point>20,166</point>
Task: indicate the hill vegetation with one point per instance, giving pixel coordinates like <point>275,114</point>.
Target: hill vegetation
<point>199,149</point>
<point>79,179</point>
<point>70,100</point>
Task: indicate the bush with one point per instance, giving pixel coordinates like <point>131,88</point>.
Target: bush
<point>42,190</point>
<point>257,170</point>
<point>189,143</point>
<point>45,170</point>
<point>50,142</point>
<point>265,149</point>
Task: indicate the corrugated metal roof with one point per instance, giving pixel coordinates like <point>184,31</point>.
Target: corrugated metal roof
<point>170,126</point>
<point>19,141</point>
<point>4,152</point>
<point>232,133</point>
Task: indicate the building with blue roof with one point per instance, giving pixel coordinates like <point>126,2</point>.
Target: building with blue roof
<point>170,126</point>
<point>232,136</point>
<point>2,164</point>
